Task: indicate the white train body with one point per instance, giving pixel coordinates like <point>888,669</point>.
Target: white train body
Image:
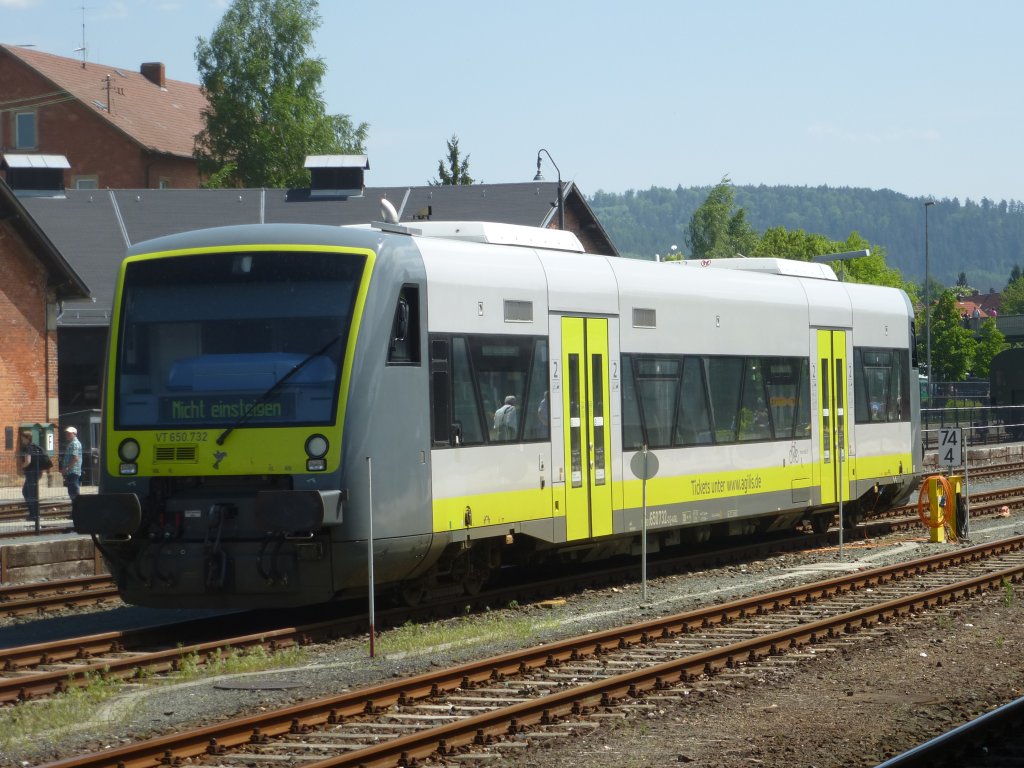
<point>278,395</point>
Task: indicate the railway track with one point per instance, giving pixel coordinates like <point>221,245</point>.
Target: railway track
<point>41,597</point>
<point>55,517</point>
<point>502,703</point>
<point>42,669</point>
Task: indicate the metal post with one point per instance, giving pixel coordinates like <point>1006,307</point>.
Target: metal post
<point>839,489</point>
<point>967,499</point>
<point>643,540</point>
<point>928,308</point>
<point>369,556</point>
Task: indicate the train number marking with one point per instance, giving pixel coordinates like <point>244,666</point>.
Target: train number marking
<point>195,436</point>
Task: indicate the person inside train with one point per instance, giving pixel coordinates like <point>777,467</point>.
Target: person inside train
<point>506,420</point>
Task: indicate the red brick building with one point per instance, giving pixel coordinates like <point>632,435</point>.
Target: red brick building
<point>118,129</point>
<point>36,282</point>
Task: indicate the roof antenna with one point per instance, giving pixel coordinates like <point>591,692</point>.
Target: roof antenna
<point>82,49</point>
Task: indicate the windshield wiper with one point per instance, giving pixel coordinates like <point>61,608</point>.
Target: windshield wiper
<point>273,388</point>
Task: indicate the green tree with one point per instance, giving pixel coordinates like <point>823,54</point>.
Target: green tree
<point>456,171</point>
<point>782,243</point>
<point>1015,274</point>
<point>990,343</point>
<point>266,111</point>
<point>797,244</point>
<point>963,288</point>
<point>953,345</point>
<point>1013,298</point>
<point>871,269</point>
<point>716,231</point>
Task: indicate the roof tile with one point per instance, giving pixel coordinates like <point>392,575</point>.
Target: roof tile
<point>163,119</point>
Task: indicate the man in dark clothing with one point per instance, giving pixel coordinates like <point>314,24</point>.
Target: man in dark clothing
<point>29,465</point>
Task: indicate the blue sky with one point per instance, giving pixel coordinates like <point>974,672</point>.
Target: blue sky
<point>919,97</point>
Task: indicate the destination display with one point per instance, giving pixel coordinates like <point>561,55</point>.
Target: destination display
<point>219,408</point>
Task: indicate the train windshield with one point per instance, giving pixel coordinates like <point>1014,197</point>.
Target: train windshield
<point>217,340</point>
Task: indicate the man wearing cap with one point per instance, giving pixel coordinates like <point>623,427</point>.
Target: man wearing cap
<point>72,463</point>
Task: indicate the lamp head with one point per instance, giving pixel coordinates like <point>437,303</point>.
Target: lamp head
<point>539,176</point>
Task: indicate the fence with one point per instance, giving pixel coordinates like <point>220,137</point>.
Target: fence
<point>982,425</point>
<point>51,483</point>
<point>949,393</point>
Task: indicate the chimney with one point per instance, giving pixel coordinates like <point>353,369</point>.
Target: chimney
<point>154,72</point>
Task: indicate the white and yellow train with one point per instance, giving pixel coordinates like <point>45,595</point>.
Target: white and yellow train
<point>479,391</point>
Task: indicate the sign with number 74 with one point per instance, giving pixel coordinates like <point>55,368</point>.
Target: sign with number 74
<point>951,446</point>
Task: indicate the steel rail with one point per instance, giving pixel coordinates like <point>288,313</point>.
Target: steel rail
<point>605,693</point>
<point>23,591</point>
<point>307,715</point>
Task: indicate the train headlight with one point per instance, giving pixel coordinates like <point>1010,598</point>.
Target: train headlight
<point>129,450</point>
<point>316,449</point>
<point>316,446</point>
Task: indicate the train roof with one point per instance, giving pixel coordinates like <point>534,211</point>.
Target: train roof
<point>492,232</point>
<point>773,266</point>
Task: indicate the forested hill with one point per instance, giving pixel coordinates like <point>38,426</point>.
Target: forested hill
<point>984,240</point>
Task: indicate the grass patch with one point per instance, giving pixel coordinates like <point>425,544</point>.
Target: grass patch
<point>414,638</point>
<point>1007,592</point>
<point>236,661</point>
<point>78,704</point>
<point>64,710</point>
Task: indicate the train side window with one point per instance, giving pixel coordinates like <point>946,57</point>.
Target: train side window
<point>404,345</point>
<point>782,378</point>
<point>901,411</point>
<point>693,421</point>
<point>632,428</point>
<point>754,422</point>
<point>802,423</point>
<point>862,414</point>
<point>538,408</point>
<point>441,392</point>
<point>658,386</point>
<point>505,372</point>
<point>881,385</point>
<point>725,376</point>
<point>913,345</point>
<point>465,401</point>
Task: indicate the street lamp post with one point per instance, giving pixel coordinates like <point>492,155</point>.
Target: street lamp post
<point>927,304</point>
<point>540,177</point>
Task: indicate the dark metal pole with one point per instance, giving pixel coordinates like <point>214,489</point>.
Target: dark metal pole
<point>928,306</point>
<point>561,204</point>
<point>540,177</point>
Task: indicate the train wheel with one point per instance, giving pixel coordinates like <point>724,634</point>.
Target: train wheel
<point>413,594</point>
<point>821,523</point>
<point>471,571</point>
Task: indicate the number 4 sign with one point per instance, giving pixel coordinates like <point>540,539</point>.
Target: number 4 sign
<point>951,452</point>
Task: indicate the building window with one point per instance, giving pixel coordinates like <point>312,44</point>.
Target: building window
<point>25,130</point>
<point>165,183</point>
<point>85,182</point>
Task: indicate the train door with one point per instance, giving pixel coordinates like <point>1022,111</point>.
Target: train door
<point>586,422</point>
<point>832,417</point>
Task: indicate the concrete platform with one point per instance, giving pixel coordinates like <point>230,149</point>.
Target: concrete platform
<point>48,556</point>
